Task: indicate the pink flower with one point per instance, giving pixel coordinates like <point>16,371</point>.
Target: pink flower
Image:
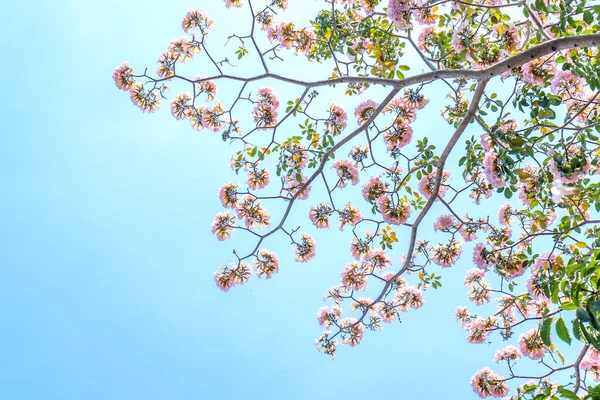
<point>509,353</point>
<point>481,256</point>
<point>347,171</point>
<point>486,383</point>
<point>378,259</point>
<point>123,76</point>
<point>446,255</point>
<point>491,169</point>
<point>409,297</point>
<point>444,222</point>
<point>228,195</point>
<point>399,12</point>
<point>350,215</point>
<point>266,263</point>
<point>354,276</point>
<point>320,214</point>
<point>373,189</point>
<point>180,105</point>
<point>325,316</point>
<point>337,120</point>
<point>222,226</point>
<point>504,214</point>
<point>227,277</point>
<point>531,345</point>
<point>398,135</point>
<point>305,250</point>
<point>394,213</point>
<point>360,247</point>
<point>427,184</point>
<point>353,331</point>
<point>364,111</point>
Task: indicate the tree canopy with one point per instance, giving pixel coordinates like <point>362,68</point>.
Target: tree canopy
<point>522,76</point>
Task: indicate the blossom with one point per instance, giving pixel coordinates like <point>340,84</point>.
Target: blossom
<point>266,263</point>
<point>194,115</point>
<point>337,120</point>
<point>481,256</point>
<point>509,353</point>
<point>326,344</point>
<point>377,259</point>
<point>374,188</point>
<point>305,250</point>
<point>398,135</point>
<point>347,171</point>
<point>405,113</point>
<point>399,12</point>
<point>326,316</point>
<point>298,157</point>
<point>196,20</point>
<point>591,363</point>
<point>364,111</point>
<point>394,213</point>
<point>536,71</point>
<point>354,276</point>
<point>320,214</point>
<point>228,194</point>
<point>492,172</point>
<point>123,76</point>
<point>387,311</point>
<point>409,296</point>
<point>446,255</point>
<point>414,98</point>
<point>166,64</point>
<point>299,189</point>
<point>425,39</point>
<point>427,184</point>
<point>504,214</point>
<point>227,277</point>
<point>462,315</point>
<point>353,331</point>
<point>359,153</point>
<point>360,247</point>
<point>222,226</point>
<point>258,179</point>
<point>182,49</point>
<point>476,333</point>
<point>531,344</point>
<point>146,100</point>
<point>398,281</point>
<point>233,3</point>
<point>253,213</point>
<point>211,117</point>
<point>462,38</point>
<point>444,222</point>
<point>487,383</point>
<point>180,105</point>
<point>567,85</point>
<point>205,86</point>
<point>349,215</point>
<point>265,110</point>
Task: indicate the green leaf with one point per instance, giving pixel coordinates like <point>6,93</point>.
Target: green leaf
<point>567,394</point>
<point>562,331</point>
<point>545,331</point>
<point>583,315</point>
<point>588,17</point>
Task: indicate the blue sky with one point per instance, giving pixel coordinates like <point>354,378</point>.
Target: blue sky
<point>107,255</point>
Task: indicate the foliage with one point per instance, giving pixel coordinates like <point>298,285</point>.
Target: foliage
<point>539,139</point>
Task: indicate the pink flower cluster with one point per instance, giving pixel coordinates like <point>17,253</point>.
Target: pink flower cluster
<point>266,109</point>
<point>346,171</point>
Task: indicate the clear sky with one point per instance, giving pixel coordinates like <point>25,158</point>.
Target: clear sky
<point>107,256</point>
